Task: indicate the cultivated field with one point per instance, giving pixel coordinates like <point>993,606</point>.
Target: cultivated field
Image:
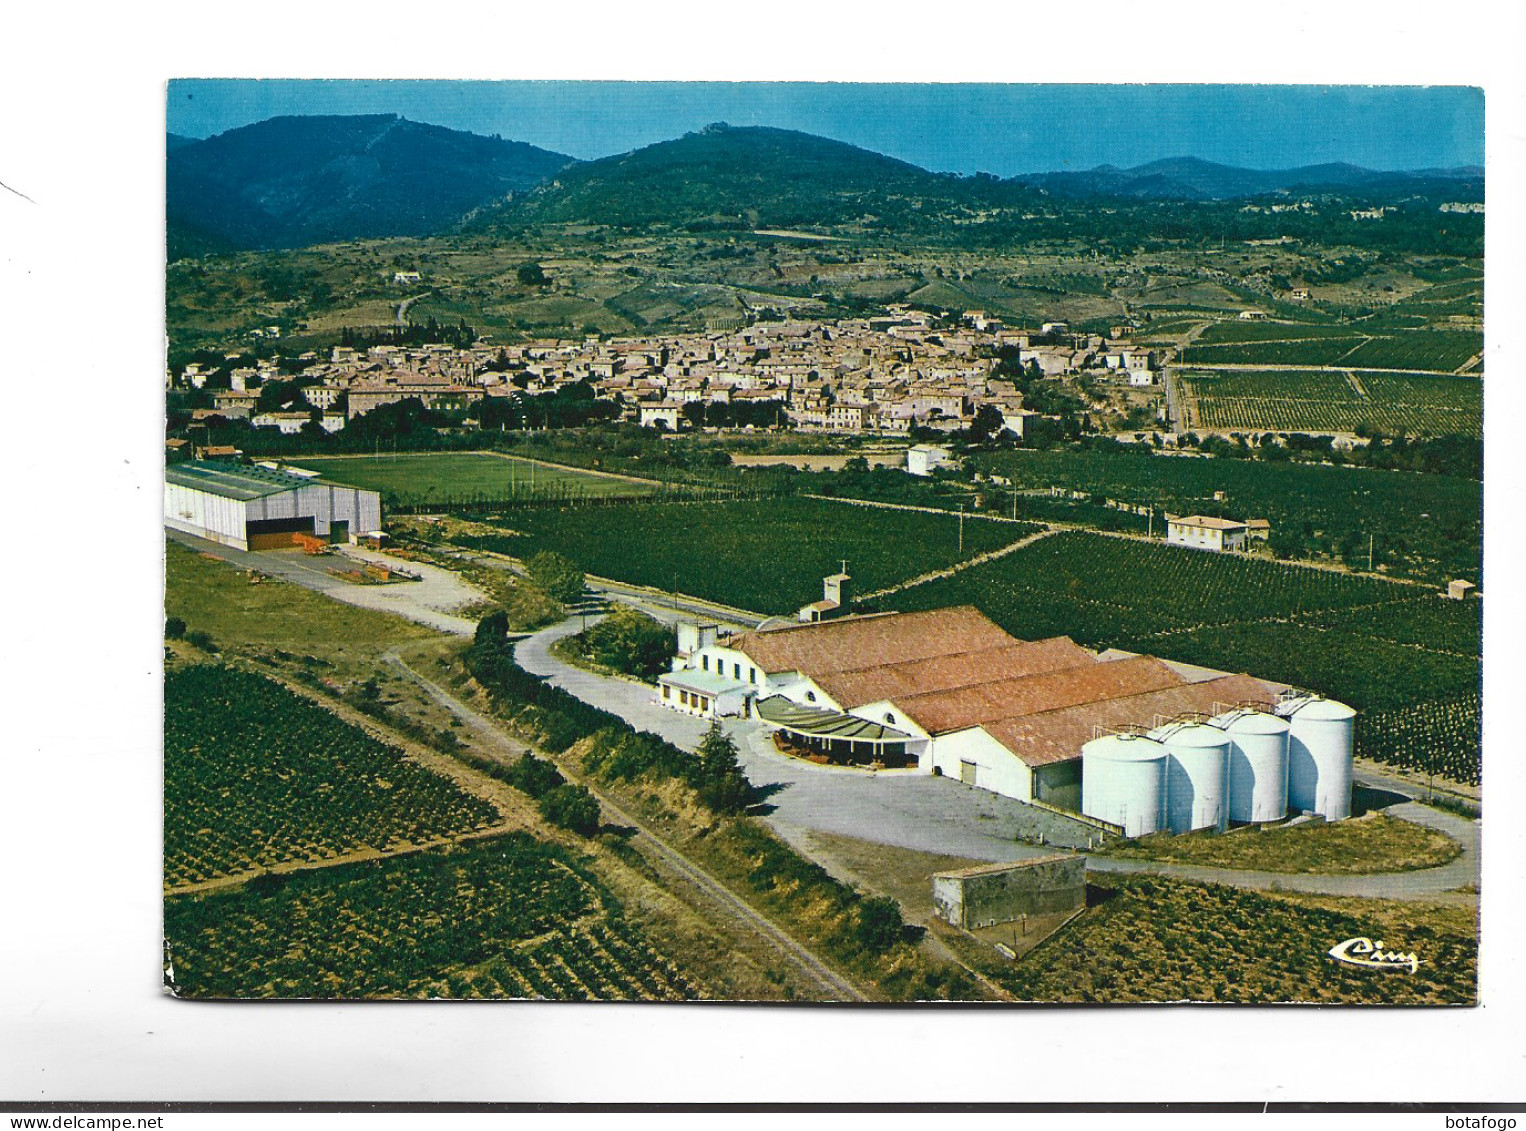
<point>1151,939</point>
<point>1243,614</point>
<point>1330,401</point>
<point>1435,350</point>
<point>421,479</point>
<point>769,556</point>
<point>1426,526</point>
<point>507,917</point>
<point>257,776</point>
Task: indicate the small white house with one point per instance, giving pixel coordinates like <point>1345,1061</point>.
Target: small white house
<point>1252,316</point>
<point>403,278</point>
<point>922,459</point>
<point>1201,532</point>
<point>665,413</point>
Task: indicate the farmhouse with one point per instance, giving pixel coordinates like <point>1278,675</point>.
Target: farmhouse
<point>1201,532</point>
<point>262,508</point>
<point>921,459</point>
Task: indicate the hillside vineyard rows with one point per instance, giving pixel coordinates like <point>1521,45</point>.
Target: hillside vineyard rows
<point>507,917</point>
<point>1324,401</point>
<point>768,556</point>
<point>1432,525</point>
<point>256,776</point>
<point>1161,940</point>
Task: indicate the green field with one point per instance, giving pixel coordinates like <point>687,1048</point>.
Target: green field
<point>255,776</point>
<point>1324,401</point>
<point>1425,526</point>
<point>424,478</point>
<point>1152,939</point>
<point>1435,350</point>
<point>769,556</point>
<point>1240,614</point>
<point>509,917</point>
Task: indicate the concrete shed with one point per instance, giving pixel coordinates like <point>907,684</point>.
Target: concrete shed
<point>1003,893</point>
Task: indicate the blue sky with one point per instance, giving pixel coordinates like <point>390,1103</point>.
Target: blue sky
<point>963,128</point>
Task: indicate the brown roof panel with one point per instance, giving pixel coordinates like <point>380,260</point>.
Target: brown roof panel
<point>941,711</point>
<point>870,641</point>
<point>1057,736</point>
<point>1012,660</point>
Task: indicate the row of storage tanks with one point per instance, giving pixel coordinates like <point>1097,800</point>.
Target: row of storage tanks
<point>1244,765</point>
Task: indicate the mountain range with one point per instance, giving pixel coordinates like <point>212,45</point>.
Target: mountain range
<point>295,181</point>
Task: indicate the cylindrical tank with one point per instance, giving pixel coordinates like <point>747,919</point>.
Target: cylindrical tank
<point>1123,781</point>
<point>1258,765</point>
<point>1197,776</point>
<point>1321,734</point>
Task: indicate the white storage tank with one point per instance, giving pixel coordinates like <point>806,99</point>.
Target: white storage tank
<point>1321,739</point>
<point>1258,765</point>
<point>1197,776</point>
<point>1123,781</point>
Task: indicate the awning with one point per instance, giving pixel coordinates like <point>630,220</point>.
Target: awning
<point>789,715</point>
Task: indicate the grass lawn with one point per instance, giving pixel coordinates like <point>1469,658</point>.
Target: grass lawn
<point>1373,844</point>
<point>429,477</point>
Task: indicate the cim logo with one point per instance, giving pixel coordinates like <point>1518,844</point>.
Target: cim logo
<point>1370,955</point>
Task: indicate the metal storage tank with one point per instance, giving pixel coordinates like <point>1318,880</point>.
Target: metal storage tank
<point>1197,776</point>
<point>1123,781</point>
<point>1321,734</point>
<point>1258,765</point>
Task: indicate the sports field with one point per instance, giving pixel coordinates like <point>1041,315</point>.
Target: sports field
<point>447,477</point>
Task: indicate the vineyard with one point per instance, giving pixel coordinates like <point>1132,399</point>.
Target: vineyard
<point>1430,526</point>
<point>1151,939</point>
<point>1289,624</point>
<point>1434,350</point>
<point>510,917</point>
<point>768,556</point>
<point>1237,332</point>
<point>1324,401</point>
<point>256,775</point>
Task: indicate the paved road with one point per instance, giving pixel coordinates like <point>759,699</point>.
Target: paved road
<point>831,985</point>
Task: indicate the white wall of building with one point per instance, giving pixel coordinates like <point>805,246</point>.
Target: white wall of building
<point>213,517</point>
<point>995,767</point>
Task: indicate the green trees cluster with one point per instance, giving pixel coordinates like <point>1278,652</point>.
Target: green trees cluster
<point>723,786</point>
<point>629,642</point>
<point>556,576</point>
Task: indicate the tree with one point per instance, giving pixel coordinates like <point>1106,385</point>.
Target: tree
<point>571,807</point>
<point>879,925</point>
<point>174,628</point>
<point>556,576</point>
<point>492,628</point>
<point>988,424</point>
<point>724,788</point>
<point>533,275</point>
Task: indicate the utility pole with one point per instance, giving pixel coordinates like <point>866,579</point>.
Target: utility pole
<point>961,528</point>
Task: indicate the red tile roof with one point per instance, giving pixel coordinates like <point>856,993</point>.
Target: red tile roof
<point>1012,660</point>
<point>939,712</point>
<point>1057,736</point>
<point>853,643</point>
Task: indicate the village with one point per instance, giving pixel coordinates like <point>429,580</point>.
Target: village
<point>883,375</point>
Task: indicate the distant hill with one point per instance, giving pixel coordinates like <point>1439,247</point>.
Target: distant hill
<point>743,177</point>
<point>294,181</point>
<point>177,141</point>
<point>1191,178</point>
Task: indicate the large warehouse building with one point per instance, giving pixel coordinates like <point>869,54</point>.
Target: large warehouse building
<point>952,693</point>
<point>255,507</point>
